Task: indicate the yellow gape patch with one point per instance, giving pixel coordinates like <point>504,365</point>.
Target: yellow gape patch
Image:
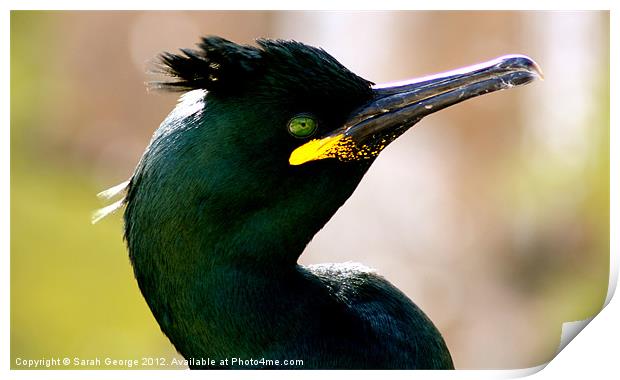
<point>329,147</point>
<point>337,146</point>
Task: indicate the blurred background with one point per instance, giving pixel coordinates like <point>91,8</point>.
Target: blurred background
<point>495,212</point>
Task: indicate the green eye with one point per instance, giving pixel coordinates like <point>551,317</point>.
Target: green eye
<point>302,126</point>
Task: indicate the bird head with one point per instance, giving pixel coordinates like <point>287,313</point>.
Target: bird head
<point>272,139</point>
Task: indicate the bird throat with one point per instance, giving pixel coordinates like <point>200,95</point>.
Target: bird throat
<point>222,290</point>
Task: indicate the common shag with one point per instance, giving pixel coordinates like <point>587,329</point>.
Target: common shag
<point>265,145</point>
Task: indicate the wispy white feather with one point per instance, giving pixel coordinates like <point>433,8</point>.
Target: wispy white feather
<point>105,211</point>
<point>113,191</point>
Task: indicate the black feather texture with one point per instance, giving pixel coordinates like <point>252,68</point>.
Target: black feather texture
<point>222,66</point>
<point>216,219</point>
<point>217,64</point>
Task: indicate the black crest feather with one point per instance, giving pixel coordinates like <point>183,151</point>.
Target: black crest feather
<point>213,66</point>
<point>224,67</point>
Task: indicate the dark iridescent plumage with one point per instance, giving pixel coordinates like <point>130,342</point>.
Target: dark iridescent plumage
<point>216,216</point>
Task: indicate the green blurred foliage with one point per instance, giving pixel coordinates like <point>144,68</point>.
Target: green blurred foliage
<point>72,288</point>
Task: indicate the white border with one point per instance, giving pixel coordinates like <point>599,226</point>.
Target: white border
<point>590,354</point>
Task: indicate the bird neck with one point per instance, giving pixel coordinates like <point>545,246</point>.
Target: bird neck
<point>202,293</point>
<point>211,245</point>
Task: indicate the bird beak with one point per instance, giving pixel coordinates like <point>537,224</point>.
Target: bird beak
<point>396,107</point>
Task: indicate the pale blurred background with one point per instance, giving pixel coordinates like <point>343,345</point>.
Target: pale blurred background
<point>493,216</point>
